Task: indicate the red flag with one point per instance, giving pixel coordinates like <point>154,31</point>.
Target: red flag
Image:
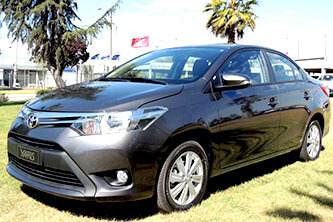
<point>140,42</point>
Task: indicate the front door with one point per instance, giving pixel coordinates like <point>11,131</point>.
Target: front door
<point>248,117</point>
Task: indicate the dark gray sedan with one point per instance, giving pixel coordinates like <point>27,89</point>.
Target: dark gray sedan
<point>166,122</point>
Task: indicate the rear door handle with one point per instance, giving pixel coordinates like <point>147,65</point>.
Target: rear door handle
<point>306,95</point>
<point>273,102</point>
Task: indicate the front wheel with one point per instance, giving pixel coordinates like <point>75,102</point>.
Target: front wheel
<point>312,142</point>
<point>183,178</point>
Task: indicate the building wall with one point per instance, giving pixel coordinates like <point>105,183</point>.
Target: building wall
<point>34,78</point>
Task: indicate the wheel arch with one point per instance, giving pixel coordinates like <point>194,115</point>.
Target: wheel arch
<point>319,117</point>
<point>316,115</point>
<point>198,133</point>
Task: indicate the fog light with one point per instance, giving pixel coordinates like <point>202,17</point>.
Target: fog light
<point>117,177</point>
<point>122,177</point>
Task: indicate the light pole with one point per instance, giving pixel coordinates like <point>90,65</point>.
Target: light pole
<point>325,49</point>
<point>298,49</point>
<point>111,37</point>
<point>14,68</point>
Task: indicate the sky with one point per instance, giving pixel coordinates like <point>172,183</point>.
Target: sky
<point>295,27</point>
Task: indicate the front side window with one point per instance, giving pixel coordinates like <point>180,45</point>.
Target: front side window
<point>248,63</point>
<point>176,66</point>
<point>283,70</point>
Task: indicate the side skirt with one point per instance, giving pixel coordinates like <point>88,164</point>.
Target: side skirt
<point>259,159</point>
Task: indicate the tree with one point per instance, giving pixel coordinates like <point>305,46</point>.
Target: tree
<point>88,72</point>
<point>230,17</point>
<point>47,27</point>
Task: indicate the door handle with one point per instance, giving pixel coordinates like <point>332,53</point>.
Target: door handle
<point>273,102</point>
<point>306,95</point>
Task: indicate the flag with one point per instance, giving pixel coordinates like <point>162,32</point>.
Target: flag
<point>140,42</point>
<point>105,57</point>
<point>95,57</point>
<point>70,69</point>
<point>115,57</point>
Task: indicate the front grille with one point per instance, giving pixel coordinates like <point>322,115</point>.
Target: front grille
<point>40,144</point>
<point>46,174</point>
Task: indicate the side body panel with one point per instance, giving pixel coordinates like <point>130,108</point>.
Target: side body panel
<point>248,124</point>
<point>295,111</point>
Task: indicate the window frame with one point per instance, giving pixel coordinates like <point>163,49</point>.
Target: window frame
<point>298,69</point>
<point>266,69</point>
<point>268,61</point>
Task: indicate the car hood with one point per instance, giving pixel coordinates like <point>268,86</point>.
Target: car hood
<point>99,96</point>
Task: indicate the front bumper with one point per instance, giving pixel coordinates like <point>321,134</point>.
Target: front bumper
<point>74,166</point>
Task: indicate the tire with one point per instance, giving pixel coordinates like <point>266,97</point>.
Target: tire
<point>312,142</point>
<point>177,188</point>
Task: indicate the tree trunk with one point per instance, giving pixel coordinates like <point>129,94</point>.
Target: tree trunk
<point>231,37</point>
<point>56,73</point>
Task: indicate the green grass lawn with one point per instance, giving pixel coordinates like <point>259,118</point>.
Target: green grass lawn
<point>281,189</point>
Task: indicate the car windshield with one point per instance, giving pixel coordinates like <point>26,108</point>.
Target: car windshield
<point>326,77</point>
<point>169,66</point>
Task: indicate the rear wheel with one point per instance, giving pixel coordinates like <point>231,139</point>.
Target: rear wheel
<point>183,178</point>
<point>312,142</point>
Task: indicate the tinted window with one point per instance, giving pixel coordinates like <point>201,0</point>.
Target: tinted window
<point>194,66</point>
<point>248,63</point>
<point>180,65</point>
<point>156,68</point>
<point>297,73</point>
<point>282,68</point>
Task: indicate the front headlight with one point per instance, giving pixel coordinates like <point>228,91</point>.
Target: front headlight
<point>24,112</point>
<point>115,122</point>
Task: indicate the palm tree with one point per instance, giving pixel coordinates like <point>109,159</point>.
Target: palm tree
<point>230,17</point>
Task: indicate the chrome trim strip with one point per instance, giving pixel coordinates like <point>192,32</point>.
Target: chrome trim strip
<point>52,118</point>
<point>57,115</point>
<point>56,122</point>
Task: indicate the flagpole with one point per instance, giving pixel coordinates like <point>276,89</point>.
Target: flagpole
<point>111,38</point>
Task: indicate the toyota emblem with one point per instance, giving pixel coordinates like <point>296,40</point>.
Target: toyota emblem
<point>32,121</point>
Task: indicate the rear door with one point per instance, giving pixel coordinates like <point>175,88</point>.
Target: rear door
<point>294,100</point>
<point>248,117</point>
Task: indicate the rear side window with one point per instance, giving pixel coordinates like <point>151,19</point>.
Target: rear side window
<point>283,69</point>
<point>297,73</point>
<point>248,63</point>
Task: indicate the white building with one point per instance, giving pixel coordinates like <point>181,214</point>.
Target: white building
<point>31,75</point>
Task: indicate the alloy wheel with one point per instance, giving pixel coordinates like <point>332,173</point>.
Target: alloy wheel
<point>313,141</point>
<point>186,178</point>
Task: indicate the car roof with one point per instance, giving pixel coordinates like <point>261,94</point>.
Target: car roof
<point>224,46</point>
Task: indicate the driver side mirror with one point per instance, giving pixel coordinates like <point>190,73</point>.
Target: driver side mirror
<point>232,81</point>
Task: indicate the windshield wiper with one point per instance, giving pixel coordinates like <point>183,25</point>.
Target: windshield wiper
<point>112,79</point>
<point>132,79</point>
<point>146,80</point>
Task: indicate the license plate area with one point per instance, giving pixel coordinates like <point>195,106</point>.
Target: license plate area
<point>28,154</point>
